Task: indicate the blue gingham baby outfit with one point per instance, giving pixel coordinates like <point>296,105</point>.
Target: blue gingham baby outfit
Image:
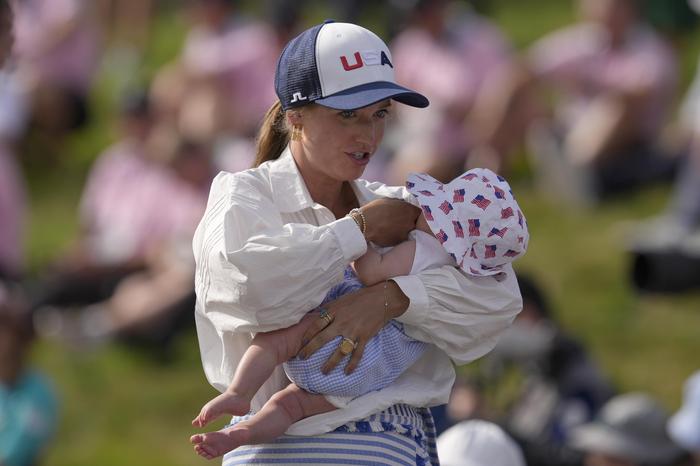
<point>387,355</point>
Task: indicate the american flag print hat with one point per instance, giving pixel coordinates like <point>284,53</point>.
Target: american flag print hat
<point>475,217</point>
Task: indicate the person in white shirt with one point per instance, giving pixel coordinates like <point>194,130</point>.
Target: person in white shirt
<point>473,222</point>
<point>276,238</point>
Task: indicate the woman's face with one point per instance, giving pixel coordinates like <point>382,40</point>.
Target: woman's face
<point>339,144</point>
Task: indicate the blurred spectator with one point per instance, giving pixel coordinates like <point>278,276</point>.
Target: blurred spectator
<point>28,407</point>
<point>12,209</point>
<point>220,87</point>
<point>116,228</point>
<point>133,260</point>
<point>128,21</point>
<point>666,249</point>
<point>230,62</point>
<point>126,25</point>
<point>469,53</point>
<point>562,386</point>
<point>12,122</point>
<point>618,79</point>
<point>6,36</point>
<point>629,431</point>
<point>478,443</point>
<point>150,306</point>
<point>684,425</point>
<point>57,47</point>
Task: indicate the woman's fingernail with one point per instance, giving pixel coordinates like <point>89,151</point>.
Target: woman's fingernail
<point>304,342</point>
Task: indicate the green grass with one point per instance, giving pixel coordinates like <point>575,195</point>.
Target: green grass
<point>120,406</point>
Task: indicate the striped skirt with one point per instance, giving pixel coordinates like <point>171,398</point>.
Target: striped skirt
<point>399,436</point>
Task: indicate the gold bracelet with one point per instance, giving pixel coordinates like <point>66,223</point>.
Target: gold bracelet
<point>386,302</point>
<point>353,214</point>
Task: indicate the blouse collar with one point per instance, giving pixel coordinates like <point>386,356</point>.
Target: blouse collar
<point>288,188</point>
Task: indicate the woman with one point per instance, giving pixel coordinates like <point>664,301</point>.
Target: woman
<point>276,238</point>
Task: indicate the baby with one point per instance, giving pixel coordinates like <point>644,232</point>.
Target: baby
<point>473,223</point>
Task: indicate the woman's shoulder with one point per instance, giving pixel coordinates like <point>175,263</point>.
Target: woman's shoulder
<point>250,181</point>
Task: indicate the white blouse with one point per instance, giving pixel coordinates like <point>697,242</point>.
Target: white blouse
<point>266,254</point>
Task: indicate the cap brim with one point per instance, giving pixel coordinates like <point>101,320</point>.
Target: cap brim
<point>371,93</point>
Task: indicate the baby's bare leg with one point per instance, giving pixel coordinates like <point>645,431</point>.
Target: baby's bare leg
<point>266,351</point>
<point>282,410</point>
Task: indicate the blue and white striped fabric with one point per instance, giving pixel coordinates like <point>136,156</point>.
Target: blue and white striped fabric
<point>399,436</point>
<point>387,355</point>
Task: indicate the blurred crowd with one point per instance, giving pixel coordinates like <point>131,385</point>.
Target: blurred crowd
<point>592,107</point>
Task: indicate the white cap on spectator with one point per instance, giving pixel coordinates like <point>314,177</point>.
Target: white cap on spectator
<point>684,426</point>
<point>478,443</point>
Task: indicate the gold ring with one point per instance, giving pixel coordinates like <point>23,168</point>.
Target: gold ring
<point>347,346</point>
<point>325,316</point>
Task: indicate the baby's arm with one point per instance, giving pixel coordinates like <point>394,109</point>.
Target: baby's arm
<point>266,351</point>
<point>373,267</point>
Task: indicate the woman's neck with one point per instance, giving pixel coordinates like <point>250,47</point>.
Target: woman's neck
<point>338,197</point>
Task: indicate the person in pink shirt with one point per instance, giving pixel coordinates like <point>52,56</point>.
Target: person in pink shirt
<point>612,81</point>
<point>12,210</point>
<point>12,190</point>
<point>57,48</point>
<point>451,55</point>
<point>151,305</point>
<point>232,60</point>
<point>136,213</point>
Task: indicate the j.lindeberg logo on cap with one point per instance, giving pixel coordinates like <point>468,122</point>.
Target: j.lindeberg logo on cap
<point>367,57</point>
<point>296,97</point>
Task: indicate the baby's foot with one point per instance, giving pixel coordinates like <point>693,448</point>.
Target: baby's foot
<point>213,444</point>
<point>226,403</point>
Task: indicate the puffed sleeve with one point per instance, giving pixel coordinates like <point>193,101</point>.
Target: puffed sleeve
<point>254,271</point>
<point>460,314</point>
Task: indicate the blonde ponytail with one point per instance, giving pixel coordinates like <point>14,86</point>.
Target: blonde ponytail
<point>273,136</point>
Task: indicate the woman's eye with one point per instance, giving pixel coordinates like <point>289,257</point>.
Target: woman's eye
<point>381,114</point>
<point>347,114</point>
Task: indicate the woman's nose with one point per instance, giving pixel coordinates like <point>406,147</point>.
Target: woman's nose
<point>367,133</point>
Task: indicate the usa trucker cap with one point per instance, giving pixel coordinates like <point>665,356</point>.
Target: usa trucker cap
<point>341,66</point>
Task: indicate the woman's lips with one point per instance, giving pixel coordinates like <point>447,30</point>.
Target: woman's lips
<point>359,158</point>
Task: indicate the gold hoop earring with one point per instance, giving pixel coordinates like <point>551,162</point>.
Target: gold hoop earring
<point>296,133</point>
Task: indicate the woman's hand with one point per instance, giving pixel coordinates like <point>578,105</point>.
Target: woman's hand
<point>356,316</point>
<point>388,221</point>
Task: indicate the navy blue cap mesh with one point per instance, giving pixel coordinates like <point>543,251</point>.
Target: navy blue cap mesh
<point>296,80</point>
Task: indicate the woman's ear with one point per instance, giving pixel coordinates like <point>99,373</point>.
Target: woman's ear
<point>294,118</point>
